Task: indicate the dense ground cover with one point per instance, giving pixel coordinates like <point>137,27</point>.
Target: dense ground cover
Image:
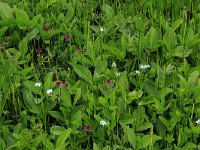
<point>102,75</point>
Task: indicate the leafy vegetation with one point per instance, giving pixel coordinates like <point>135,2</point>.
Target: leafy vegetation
<point>99,74</point>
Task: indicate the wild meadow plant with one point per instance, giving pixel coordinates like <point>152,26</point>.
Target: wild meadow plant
<point>99,74</point>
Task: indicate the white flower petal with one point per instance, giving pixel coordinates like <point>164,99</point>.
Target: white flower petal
<point>49,91</point>
<point>137,72</point>
<point>103,123</point>
<point>38,84</point>
<point>117,73</point>
<point>114,65</point>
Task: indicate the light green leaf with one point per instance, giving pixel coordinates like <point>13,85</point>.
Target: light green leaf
<point>177,23</point>
<point>57,115</point>
<point>5,11</point>
<point>83,72</point>
<point>63,137</point>
<point>77,96</point>
<point>23,47</point>
<point>132,138</point>
<point>148,140</point>
<point>170,39</point>
<point>31,86</point>
<point>22,18</point>
<point>57,130</point>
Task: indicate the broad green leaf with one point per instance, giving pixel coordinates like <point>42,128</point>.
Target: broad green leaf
<point>76,119</point>
<point>103,101</point>
<point>193,78</point>
<point>57,115</point>
<point>134,95</point>
<point>35,21</point>
<point>2,143</point>
<point>77,96</point>
<point>47,144</point>
<point>57,130</point>
<point>132,138</point>
<point>143,127</point>
<point>177,23</point>
<point>37,140</point>
<point>48,81</point>
<point>108,11</point>
<point>5,11</point>
<point>22,18</point>
<point>48,34</point>
<point>66,98</point>
<point>148,140</point>
<point>51,2</point>
<point>23,47</point>
<point>2,31</point>
<point>95,147</point>
<point>70,14</point>
<point>10,139</point>
<point>63,137</point>
<point>83,72</point>
<point>154,36</point>
<point>32,34</point>
<point>91,51</point>
<point>170,39</point>
<point>31,86</point>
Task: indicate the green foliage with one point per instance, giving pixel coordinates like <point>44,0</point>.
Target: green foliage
<point>99,74</point>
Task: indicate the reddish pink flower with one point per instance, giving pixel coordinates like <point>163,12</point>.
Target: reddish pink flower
<point>66,84</point>
<point>88,128</point>
<point>38,51</point>
<point>58,84</point>
<point>108,81</point>
<point>66,37</point>
<point>45,27</point>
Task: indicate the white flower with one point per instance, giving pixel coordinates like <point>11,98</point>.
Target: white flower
<point>137,72</point>
<point>117,73</point>
<point>101,29</point>
<point>114,65</point>
<point>145,66</point>
<point>49,91</point>
<point>38,84</point>
<point>198,121</point>
<point>103,123</point>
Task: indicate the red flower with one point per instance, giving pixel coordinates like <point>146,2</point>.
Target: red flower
<point>45,27</point>
<point>108,81</point>
<point>66,84</point>
<point>58,84</point>
<point>38,51</point>
<point>66,37</point>
<point>88,128</point>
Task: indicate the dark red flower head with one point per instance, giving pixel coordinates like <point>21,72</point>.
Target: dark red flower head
<point>45,27</point>
<point>108,81</point>
<point>66,84</point>
<point>58,84</point>
<point>66,37</point>
<point>88,128</point>
<point>38,51</point>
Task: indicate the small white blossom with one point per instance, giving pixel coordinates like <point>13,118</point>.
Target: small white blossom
<point>198,121</point>
<point>38,84</point>
<point>114,65</point>
<point>145,66</point>
<point>137,72</point>
<point>117,73</point>
<point>101,29</point>
<point>103,123</point>
<point>49,91</point>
